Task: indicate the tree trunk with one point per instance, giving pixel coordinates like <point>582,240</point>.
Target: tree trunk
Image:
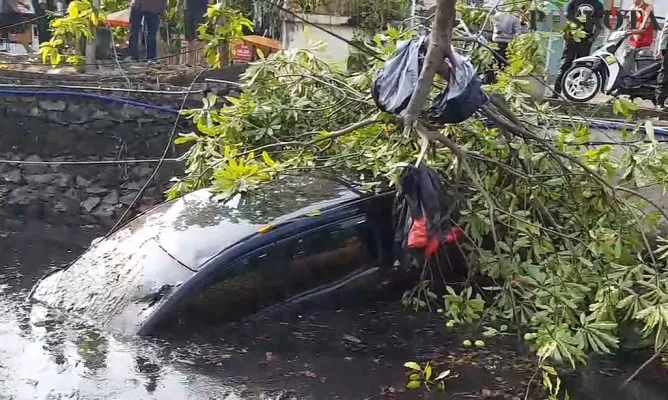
<point>224,48</point>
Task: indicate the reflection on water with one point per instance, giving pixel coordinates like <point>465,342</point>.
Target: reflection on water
<point>44,357</point>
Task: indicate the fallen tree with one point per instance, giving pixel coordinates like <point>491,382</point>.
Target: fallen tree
<point>556,220</point>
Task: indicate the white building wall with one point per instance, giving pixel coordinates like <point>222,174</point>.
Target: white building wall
<point>297,35</point>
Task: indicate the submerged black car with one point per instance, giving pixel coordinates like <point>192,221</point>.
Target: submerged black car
<point>197,257</point>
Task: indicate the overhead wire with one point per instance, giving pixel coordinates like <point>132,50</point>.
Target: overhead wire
<point>24,22</point>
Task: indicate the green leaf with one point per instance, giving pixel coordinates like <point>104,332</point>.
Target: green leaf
<point>413,385</point>
<point>185,139</point>
<point>413,365</point>
<point>427,372</point>
<point>618,247</point>
<point>442,375</point>
<point>649,131</point>
<point>268,160</point>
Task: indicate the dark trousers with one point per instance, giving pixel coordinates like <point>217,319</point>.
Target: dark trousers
<point>572,50</point>
<point>151,21</point>
<point>662,81</point>
<point>499,63</point>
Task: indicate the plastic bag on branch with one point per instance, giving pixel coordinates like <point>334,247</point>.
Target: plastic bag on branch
<point>394,84</point>
<point>424,207</point>
<point>461,97</point>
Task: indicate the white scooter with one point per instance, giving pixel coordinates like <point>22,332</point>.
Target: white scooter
<point>602,72</point>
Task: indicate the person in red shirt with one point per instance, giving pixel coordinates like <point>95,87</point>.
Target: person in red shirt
<point>642,34</point>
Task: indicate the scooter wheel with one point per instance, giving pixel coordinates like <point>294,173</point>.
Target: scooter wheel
<point>575,90</point>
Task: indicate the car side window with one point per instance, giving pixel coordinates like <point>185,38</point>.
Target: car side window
<point>281,271</point>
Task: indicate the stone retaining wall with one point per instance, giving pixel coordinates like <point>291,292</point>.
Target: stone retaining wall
<point>75,129</point>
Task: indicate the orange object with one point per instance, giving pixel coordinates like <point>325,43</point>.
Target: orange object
<point>265,44</point>
<point>119,19</point>
<point>454,235</point>
<point>418,238</point>
<point>245,49</point>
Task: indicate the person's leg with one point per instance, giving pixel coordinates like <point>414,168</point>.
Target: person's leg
<point>567,57</point>
<point>152,21</point>
<point>135,31</point>
<point>662,81</point>
<point>629,59</point>
<point>503,52</point>
<point>584,49</point>
<point>191,36</point>
<point>500,62</point>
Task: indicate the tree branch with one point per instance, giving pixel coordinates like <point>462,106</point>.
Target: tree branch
<point>475,178</point>
<point>440,48</point>
<point>332,135</point>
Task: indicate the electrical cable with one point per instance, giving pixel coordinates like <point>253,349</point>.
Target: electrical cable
<point>24,22</point>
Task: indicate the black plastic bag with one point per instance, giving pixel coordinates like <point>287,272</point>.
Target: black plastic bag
<point>393,85</point>
<point>461,98</point>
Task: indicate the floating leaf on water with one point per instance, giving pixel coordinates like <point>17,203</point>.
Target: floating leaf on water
<point>413,384</point>
<point>413,365</point>
<point>442,375</point>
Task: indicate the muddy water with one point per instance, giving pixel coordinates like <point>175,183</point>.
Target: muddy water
<point>355,353</point>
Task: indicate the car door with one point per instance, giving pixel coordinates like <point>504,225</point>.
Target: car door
<point>294,267</point>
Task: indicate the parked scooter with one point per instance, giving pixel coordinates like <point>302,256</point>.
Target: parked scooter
<point>602,72</point>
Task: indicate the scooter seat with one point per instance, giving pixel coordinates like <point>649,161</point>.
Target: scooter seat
<point>648,71</point>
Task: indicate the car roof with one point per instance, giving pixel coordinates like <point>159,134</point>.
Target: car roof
<point>198,226</point>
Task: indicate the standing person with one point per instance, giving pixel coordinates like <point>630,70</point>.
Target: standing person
<point>593,11</point>
<point>194,17</point>
<point>642,36</point>
<point>145,13</point>
<point>662,88</point>
<point>505,26</point>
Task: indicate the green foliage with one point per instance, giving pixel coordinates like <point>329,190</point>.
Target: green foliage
<point>552,383</point>
<point>80,21</point>
<point>291,105</point>
<point>559,225</point>
<point>375,15</point>
<point>424,377</point>
<point>463,307</point>
<point>527,54</point>
<point>572,31</point>
<point>420,297</point>
<point>223,26</point>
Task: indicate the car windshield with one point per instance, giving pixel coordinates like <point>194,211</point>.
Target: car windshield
<point>118,280</point>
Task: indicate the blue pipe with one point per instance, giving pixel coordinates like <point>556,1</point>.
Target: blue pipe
<point>611,125</point>
<point>619,125</point>
<point>61,93</point>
